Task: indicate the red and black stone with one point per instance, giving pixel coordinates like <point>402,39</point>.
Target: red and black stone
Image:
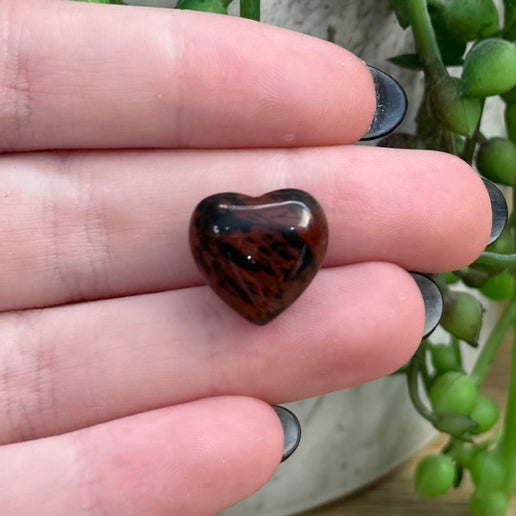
<point>259,253</point>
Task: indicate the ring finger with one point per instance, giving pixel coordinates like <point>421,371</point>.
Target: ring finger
<point>68,367</point>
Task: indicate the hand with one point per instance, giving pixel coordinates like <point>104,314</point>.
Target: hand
<point>127,387</point>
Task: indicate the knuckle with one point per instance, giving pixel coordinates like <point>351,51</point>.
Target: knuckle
<point>14,84</point>
<point>82,263</point>
<point>26,390</point>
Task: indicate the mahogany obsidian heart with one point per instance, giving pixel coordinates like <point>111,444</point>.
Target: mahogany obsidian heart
<point>259,253</point>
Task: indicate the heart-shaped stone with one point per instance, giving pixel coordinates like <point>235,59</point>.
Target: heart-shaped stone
<point>259,253</point>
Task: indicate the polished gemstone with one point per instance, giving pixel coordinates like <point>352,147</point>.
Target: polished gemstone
<point>259,253</point>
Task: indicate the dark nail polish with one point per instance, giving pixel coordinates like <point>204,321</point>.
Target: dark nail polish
<point>433,300</point>
<point>499,208</point>
<point>391,105</point>
<point>291,430</point>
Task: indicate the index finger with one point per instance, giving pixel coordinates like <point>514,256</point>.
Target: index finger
<point>76,75</point>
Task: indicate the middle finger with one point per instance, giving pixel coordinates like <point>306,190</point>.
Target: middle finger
<point>90,225</point>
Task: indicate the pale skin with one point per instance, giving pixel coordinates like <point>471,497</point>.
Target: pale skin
<point>126,386</point>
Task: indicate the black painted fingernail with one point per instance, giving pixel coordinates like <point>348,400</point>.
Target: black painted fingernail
<point>291,431</point>
<point>499,208</point>
<point>433,300</point>
<point>391,105</point>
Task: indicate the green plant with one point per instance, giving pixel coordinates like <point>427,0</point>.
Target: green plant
<point>119,2</point>
<point>248,8</point>
<point>467,34</point>
<point>450,121</point>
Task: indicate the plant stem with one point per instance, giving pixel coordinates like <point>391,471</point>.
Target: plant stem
<point>458,450</point>
<point>412,380</point>
<point>426,42</point>
<point>430,57</point>
<point>455,345</point>
<point>497,259</point>
<point>424,348</point>
<point>493,343</point>
<point>469,150</point>
<point>447,144</point>
<point>507,444</point>
<point>250,9</point>
<point>471,143</point>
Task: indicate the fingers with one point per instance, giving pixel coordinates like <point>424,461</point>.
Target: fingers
<point>74,366</point>
<point>94,76</point>
<point>196,458</point>
<point>92,225</point>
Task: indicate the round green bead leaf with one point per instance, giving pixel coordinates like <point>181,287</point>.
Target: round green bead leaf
<point>454,392</point>
<point>485,414</point>
<point>496,160</point>
<point>435,476</point>
<point>487,470</point>
<point>499,287</point>
<point>462,317</point>
<point>468,20</point>
<point>444,359</point>
<point>489,68</point>
<point>489,504</point>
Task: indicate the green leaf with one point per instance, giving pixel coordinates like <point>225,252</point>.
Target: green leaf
<point>510,96</point>
<point>496,160</point>
<point>489,503</point>
<point>462,316</point>
<point>117,2</point>
<point>434,476</point>
<point>250,9</point>
<point>455,424</point>
<point>459,476</point>
<point>452,48</point>
<point>468,20</point>
<point>509,26</point>
<point>509,32</point>
<point>456,113</point>
<point>408,61</point>
<point>209,6</point>
<point>400,10</point>
<point>489,68</point>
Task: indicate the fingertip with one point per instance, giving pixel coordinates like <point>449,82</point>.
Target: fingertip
<point>352,92</point>
<point>261,430</point>
<point>470,230</point>
<point>434,200</point>
<point>370,319</point>
<point>404,311</point>
<point>391,105</point>
<point>499,210</point>
<point>195,458</point>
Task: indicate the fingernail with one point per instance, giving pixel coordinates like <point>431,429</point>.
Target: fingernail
<point>391,105</point>
<point>291,431</point>
<point>433,300</point>
<point>499,209</point>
